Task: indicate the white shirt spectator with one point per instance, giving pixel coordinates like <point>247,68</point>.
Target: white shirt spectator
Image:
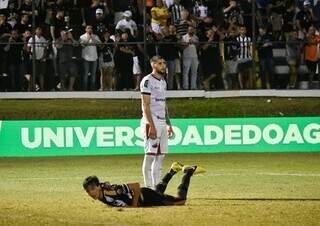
<point>125,24</point>
<point>89,52</point>
<point>191,49</point>
<point>40,46</point>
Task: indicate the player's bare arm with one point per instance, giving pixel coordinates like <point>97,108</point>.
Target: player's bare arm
<point>146,108</point>
<point>170,130</point>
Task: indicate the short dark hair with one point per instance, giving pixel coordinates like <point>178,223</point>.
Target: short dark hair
<point>90,180</point>
<point>155,58</point>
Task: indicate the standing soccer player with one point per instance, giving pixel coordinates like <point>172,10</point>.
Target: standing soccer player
<point>154,122</point>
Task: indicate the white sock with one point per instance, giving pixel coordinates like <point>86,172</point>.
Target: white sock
<point>156,170</point>
<point>146,170</point>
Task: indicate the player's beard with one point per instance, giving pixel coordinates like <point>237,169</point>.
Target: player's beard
<point>162,73</point>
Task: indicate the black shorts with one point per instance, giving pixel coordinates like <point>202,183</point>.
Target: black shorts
<point>150,197</point>
<point>68,69</point>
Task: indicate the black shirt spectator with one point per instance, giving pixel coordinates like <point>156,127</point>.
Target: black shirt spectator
<point>23,25</point>
<point>100,23</point>
<point>5,28</point>
<point>90,12</point>
<point>231,47</point>
<point>304,18</point>
<point>264,44</point>
<point>26,8</point>
<point>169,51</point>
<point>57,24</point>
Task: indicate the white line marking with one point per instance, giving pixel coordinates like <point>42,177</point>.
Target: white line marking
<point>209,174</point>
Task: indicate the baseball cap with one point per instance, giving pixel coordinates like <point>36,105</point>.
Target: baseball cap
<point>99,11</point>
<point>127,13</point>
<point>306,2</point>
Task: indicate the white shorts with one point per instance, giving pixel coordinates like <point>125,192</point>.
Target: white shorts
<point>136,67</point>
<point>155,146</point>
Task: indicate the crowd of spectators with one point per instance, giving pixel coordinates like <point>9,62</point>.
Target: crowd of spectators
<point>207,44</point>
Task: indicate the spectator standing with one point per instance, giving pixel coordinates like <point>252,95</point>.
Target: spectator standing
<point>305,17</point>
<point>106,62</point>
<point>67,66</point>
<point>211,60</point>
<point>245,73</point>
<point>89,42</point>
<point>190,59</point>
<point>40,52</point>
<point>127,23</point>
<point>230,58</point>
<point>14,49</point>
<point>293,48</point>
<point>170,52</point>
<point>23,24</point>
<point>160,15</point>
<point>311,53</point>
<point>176,12</point>
<point>124,63</point>
<point>266,62</point>
<point>184,23</point>
<point>100,23</point>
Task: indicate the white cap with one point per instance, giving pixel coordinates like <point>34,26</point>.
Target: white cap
<point>306,2</point>
<point>99,11</point>
<point>127,13</point>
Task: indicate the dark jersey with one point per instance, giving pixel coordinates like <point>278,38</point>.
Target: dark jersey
<point>116,195</point>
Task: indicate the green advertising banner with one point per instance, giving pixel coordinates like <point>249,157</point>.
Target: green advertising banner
<point>107,137</point>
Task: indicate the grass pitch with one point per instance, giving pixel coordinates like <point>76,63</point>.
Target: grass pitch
<point>238,189</point>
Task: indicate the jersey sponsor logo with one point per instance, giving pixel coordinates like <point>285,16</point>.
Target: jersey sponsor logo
<point>146,84</point>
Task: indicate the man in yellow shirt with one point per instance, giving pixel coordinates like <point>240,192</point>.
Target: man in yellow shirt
<point>160,15</point>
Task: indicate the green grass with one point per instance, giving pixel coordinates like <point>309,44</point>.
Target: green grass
<point>178,108</point>
<point>238,189</point>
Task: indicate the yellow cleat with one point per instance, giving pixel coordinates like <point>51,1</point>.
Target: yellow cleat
<point>176,167</point>
<point>196,169</point>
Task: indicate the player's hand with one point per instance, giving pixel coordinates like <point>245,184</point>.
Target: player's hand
<point>170,131</point>
<point>152,133</point>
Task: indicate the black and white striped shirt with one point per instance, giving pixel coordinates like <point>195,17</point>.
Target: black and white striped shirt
<point>175,11</point>
<point>244,50</point>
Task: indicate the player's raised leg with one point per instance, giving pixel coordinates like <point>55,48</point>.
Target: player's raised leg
<point>175,168</point>
<point>185,182</point>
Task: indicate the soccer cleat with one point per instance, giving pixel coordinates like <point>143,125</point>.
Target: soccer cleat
<point>196,169</point>
<point>176,167</point>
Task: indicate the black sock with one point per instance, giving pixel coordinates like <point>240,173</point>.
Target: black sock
<point>183,187</point>
<point>161,187</point>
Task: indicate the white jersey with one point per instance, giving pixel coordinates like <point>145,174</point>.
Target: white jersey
<point>150,85</point>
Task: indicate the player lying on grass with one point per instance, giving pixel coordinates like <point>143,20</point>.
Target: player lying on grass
<point>131,195</point>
